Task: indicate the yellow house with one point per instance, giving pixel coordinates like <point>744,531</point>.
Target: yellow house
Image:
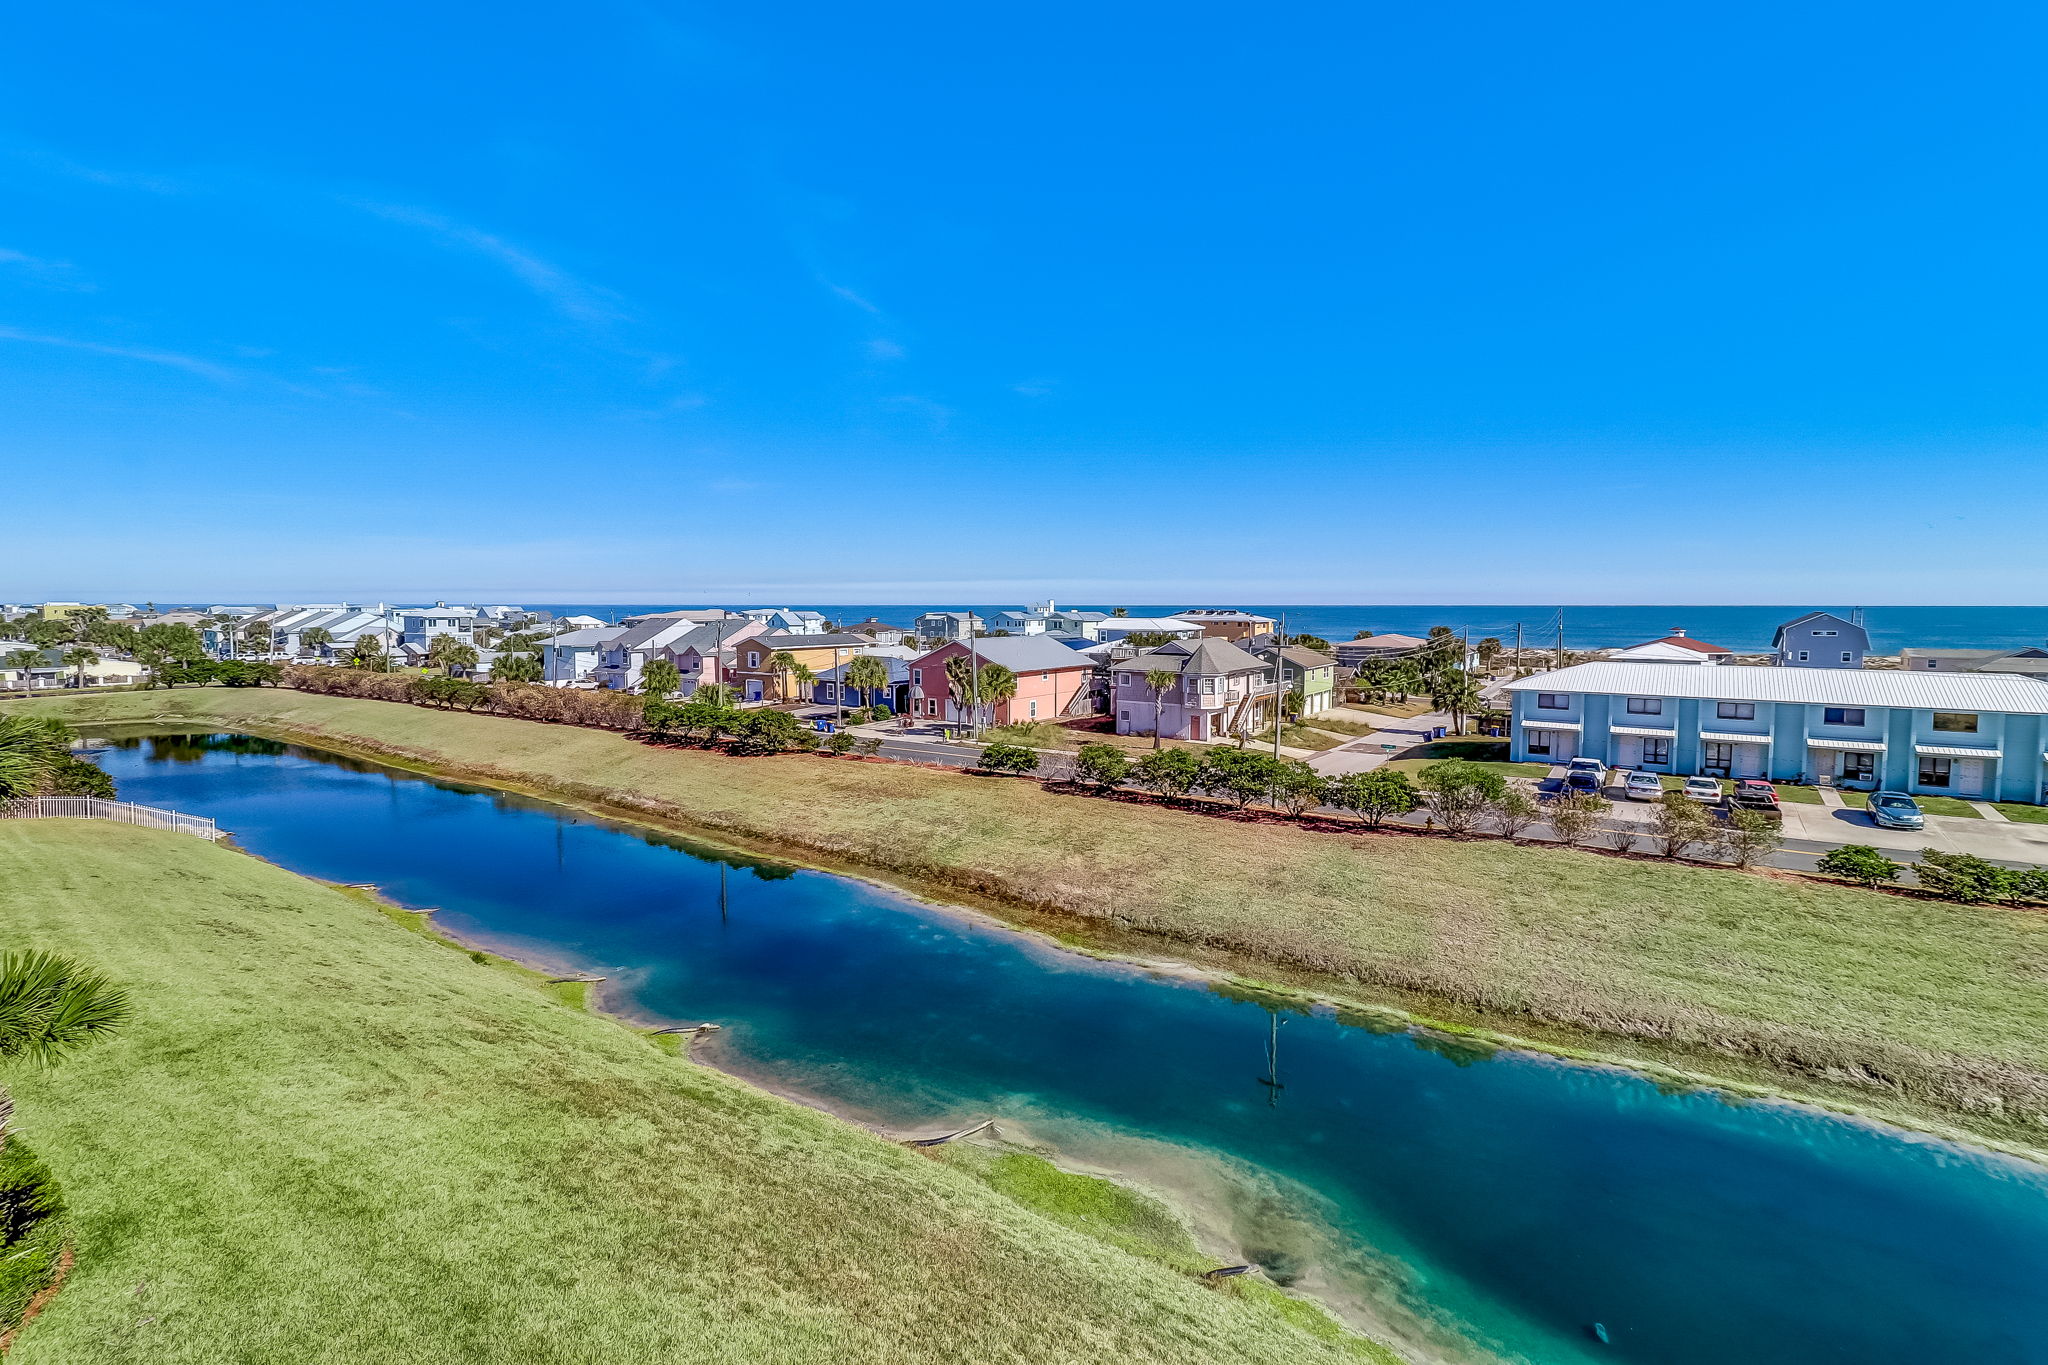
<point>757,679</point>
<point>57,611</point>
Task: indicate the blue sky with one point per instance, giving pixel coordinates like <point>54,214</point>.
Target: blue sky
<point>923,302</point>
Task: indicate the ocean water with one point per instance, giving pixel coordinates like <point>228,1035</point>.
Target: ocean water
<point>1486,1205</point>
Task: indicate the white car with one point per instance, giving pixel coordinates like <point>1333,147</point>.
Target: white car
<point>1643,787</point>
<point>1587,775</point>
<point>1704,790</point>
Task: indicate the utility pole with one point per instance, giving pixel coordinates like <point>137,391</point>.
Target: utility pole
<point>1560,637</point>
<point>1518,646</point>
<point>1279,680</point>
<point>974,679</point>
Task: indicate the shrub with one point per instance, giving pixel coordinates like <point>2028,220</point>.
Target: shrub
<point>1575,817</point>
<point>1964,877</point>
<point>1680,823</point>
<point>32,1230</point>
<point>768,732</point>
<point>1750,835</point>
<point>1859,863</point>
<point>1514,810</point>
<point>1457,792</point>
<point>868,746</point>
<point>1008,758</point>
<point>1102,765</point>
<point>839,742</point>
<point>1241,775</point>
<point>1170,772</point>
<point>1298,788</point>
<point>1375,795</point>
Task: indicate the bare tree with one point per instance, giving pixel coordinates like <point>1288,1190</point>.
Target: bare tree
<point>1748,836</point>
<point>1514,810</point>
<point>1679,824</point>
<point>1577,817</point>
<point>1624,837</point>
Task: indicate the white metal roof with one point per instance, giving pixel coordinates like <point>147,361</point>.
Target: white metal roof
<point>1734,737</point>
<point>1955,751</point>
<point>1854,745</point>
<point>1650,731</point>
<point>2011,693</point>
<point>1552,725</point>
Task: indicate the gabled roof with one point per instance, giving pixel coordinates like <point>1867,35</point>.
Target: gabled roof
<point>831,640</point>
<point>1301,657</point>
<point>1221,614</point>
<point>1203,656</point>
<point>2010,693</point>
<point>1022,653</point>
<point>1390,640</point>
<point>1684,642</point>
<point>1779,633</point>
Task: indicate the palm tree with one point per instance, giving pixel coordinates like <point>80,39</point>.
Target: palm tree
<point>31,748</point>
<point>315,639</point>
<point>517,668</point>
<point>50,1006</point>
<point>369,655</point>
<point>998,685</point>
<point>1159,680</point>
<point>804,677</point>
<point>22,660</point>
<point>783,662</point>
<point>257,639</point>
<point>960,684</point>
<point>1454,691</point>
<point>448,653</point>
<point>657,680</point>
<point>79,659</point>
<point>867,673</point>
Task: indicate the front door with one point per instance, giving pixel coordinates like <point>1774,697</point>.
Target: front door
<point>1970,777</point>
<point>1195,730</point>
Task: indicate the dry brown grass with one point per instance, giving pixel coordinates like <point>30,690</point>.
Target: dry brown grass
<point>1931,1008</point>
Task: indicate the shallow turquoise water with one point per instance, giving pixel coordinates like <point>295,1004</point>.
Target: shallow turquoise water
<point>1467,1195</point>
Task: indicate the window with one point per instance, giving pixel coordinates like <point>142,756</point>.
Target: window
<point>1123,715</point>
<point>1553,701</point>
<point>1842,715</point>
<point>1859,767</point>
<point>1934,772</point>
<point>1802,656</point>
<point>831,691</point>
<point>1959,722</point>
<point>1932,664</point>
<point>1827,632</point>
<point>1735,710</point>
<point>753,658</point>
<point>1539,741</point>
<point>1718,759</point>
<point>1123,680</point>
<point>1034,710</point>
<point>917,677</point>
<point>1646,706</point>
<point>1656,751</point>
<point>1847,657</point>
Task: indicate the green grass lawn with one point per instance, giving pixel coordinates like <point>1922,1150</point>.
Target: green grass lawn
<point>1490,754</point>
<point>1797,795</point>
<point>1300,737</point>
<point>1337,725</point>
<point>1807,984</point>
<point>326,1139</point>
<point>2026,815</point>
<point>1400,710</point>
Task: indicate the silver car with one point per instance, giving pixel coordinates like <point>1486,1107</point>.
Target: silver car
<point>1643,787</point>
<point>1895,810</point>
<point>1704,790</point>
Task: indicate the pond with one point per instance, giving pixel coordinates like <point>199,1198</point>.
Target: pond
<point>1473,1204</point>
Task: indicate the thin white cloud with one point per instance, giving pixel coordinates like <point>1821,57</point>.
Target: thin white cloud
<point>856,300</point>
<point>49,274</point>
<point>1034,388</point>
<point>574,298</point>
<point>881,348</point>
<point>190,364</point>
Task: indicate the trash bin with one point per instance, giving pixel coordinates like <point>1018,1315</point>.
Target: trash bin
<point>1437,733</point>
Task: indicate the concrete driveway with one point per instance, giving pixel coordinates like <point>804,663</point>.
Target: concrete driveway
<point>1367,752</point>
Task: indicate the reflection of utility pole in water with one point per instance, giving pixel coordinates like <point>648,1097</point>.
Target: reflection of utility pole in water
<point>1271,1080</point>
<point>558,846</point>
<point>721,893</point>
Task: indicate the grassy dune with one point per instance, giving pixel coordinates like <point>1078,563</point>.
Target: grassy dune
<point>327,1139</point>
<point>1917,1008</point>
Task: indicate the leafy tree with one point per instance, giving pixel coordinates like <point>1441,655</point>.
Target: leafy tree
<point>45,633</point>
<point>1577,816</point>
<point>257,639</point>
<point>1119,611</point>
<point>659,717</point>
<point>1859,863</point>
<point>1314,642</point>
<point>869,746</point>
<point>1488,650</point>
<point>1160,680</point>
<point>839,742</point>
<point>1008,758</point>
<point>867,675</point>
<point>523,668</point>
<point>1240,775</point>
<point>1363,635</point>
<point>1514,810</point>
<point>712,715</point>
<point>1102,765</point>
<point>1148,639</point>
<point>1456,792</point>
<point>1964,877</point>
<point>1403,678</point>
<point>1750,835</point>
<point>1678,823</point>
<point>76,777</point>
<point>1298,788</point>
<point>715,694</point>
<point>660,678</point>
<point>1170,772</point>
<point>178,643</point>
<point>245,673</point>
<point>23,660</point>
<point>805,679</point>
<point>1375,795</point>
<point>315,638</point>
<point>768,732</point>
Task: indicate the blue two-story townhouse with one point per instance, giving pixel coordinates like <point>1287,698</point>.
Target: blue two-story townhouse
<point>1980,735</point>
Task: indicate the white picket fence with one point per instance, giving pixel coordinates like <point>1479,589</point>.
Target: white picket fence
<point>99,808</point>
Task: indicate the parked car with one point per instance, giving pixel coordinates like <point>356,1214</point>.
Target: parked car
<point>1643,787</point>
<point>1895,810</point>
<point>1704,790</point>
<point>1755,794</point>
<point>1585,775</point>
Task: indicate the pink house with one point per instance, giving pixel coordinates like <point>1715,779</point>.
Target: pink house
<point>1052,681</point>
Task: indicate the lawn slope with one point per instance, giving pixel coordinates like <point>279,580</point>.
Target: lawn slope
<point>326,1139</point>
<point>1920,1009</point>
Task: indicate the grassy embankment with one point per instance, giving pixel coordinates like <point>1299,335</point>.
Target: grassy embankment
<point>325,1139</point>
<point>1919,1009</point>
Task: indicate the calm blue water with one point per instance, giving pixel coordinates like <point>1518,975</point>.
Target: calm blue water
<point>1465,1195</point>
<point>1739,628</point>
